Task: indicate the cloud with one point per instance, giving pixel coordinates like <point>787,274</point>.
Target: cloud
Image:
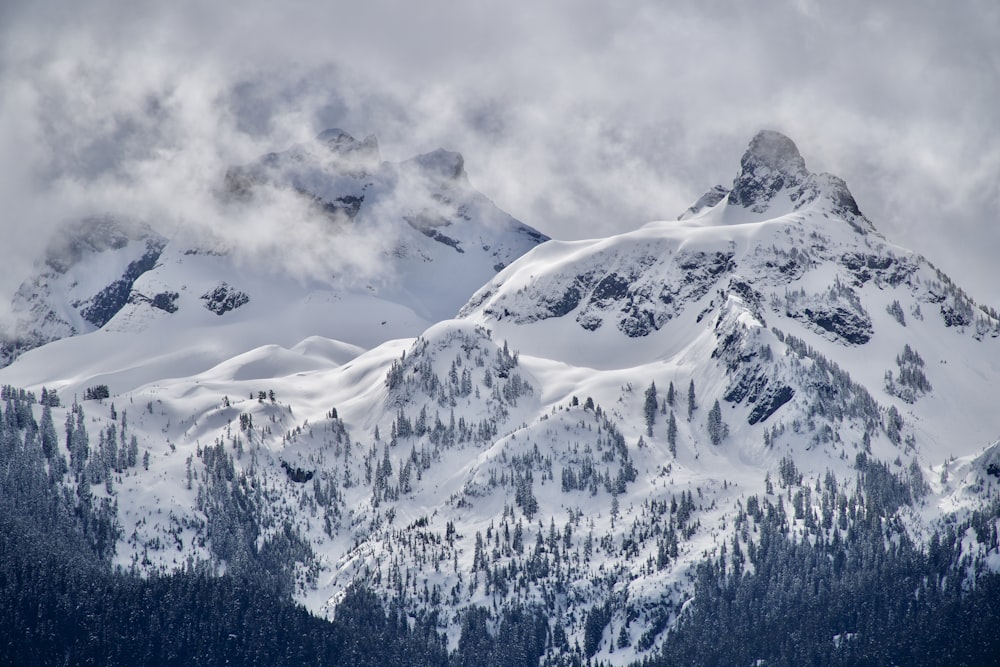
<point>579,119</point>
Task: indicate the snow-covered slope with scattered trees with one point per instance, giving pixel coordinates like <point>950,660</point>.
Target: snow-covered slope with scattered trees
<point>605,428</point>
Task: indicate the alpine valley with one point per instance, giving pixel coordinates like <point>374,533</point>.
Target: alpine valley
<point>761,433</point>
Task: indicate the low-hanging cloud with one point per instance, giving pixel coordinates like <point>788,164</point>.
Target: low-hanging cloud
<point>579,120</point>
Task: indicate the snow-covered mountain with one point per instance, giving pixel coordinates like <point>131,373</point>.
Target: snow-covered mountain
<point>599,418</point>
<point>437,241</point>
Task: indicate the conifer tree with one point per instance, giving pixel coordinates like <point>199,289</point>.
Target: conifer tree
<point>691,400</point>
<point>672,434</point>
<point>650,408</point>
<point>718,430</point>
<point>50,440</point>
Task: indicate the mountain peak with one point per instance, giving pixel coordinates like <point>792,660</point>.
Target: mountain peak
<point>363,153</point>
<point>775,151</point>
<point>770,164</point>
<point>773,180</point>
<point>441,164</point>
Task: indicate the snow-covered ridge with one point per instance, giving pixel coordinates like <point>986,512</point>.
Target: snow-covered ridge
<point>427,221</point>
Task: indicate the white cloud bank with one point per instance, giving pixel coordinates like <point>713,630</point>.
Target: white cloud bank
<point>581,119</point>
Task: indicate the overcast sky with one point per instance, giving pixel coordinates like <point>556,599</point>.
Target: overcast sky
<point>579,118</point>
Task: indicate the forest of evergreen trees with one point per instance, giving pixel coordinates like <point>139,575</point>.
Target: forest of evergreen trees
<point>872,597</point>
<point>61,601</point>
<point>836,581</point>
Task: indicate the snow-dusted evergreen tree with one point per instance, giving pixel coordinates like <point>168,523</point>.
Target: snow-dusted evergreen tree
<point>893,425</point>
<point>718,430</point>
<point>896,311</point>
<point>672,434</point>
<point>50,440</point>
<point>77,440</point>
<point>691,400</point>
<point>911,382</point>
<point>649,407</point>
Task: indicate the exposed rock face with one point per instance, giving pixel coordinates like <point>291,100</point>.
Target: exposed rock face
<point>106,303</point>
<point>637,293</point>
<point>84,280</point>
<point>772,163</point>
<point>774,180</point>
<point>707,200</point>
<point>439,164</point>
<point>224,298</point>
